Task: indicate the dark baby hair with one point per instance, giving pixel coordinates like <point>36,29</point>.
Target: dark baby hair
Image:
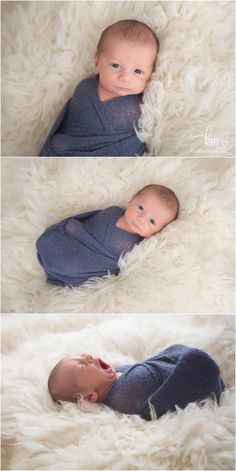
<point>51,381</point>
<point>71,396</point>
<point>129,29</point>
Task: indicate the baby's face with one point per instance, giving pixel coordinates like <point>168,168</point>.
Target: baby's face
<point>146,214</point>
<point>124,67</point>
<point>83,375</point>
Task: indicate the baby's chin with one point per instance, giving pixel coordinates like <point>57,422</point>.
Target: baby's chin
<point>120,90</point>
<point>126,92</point>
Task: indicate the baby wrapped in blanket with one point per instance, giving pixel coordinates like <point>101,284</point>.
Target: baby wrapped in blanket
<point>101,117</point>
<point>89,244</point>
<point>175,377</point>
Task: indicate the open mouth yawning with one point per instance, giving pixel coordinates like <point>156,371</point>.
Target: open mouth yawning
<point>104,365</point>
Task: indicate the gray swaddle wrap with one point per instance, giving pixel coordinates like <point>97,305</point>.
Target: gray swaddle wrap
<point>84,246</point>
<point>175,377</point>
<point>87,126</point>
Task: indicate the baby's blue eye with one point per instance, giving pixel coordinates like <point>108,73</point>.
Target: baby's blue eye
<point>115,66</point>
<point>138,71</point>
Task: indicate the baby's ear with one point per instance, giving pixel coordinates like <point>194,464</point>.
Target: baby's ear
<point>91,396</point>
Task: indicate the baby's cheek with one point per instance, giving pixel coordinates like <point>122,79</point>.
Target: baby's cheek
<point>142,85</point>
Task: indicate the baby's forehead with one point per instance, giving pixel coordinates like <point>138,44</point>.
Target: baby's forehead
<point>112,38</point>
<point>66,364</point>
<point>69,361</point>
<point>71,358</point>
<point>148,194</point>
<point>66,368</point>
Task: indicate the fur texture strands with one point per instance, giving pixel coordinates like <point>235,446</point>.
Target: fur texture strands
<point>48,47</point>
<point>39,434</point>
<point>187,267</point>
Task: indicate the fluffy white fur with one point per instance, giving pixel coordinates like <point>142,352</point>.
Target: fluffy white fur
<point>48,47</point>
<point>187,267</point>
<point>38,434</point>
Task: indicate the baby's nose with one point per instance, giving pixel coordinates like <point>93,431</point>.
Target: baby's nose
<point>124,76</point>
<point>141,217</point>
<point>88,358</point>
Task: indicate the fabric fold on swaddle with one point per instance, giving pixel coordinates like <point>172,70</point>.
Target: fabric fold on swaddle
<point>175,377</point>
<point>84,246</point>
<point>87,126</point>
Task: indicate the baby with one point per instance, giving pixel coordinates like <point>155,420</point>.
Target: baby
<point>175,377</point>
<point>101,116</point>
<point>90,244</point>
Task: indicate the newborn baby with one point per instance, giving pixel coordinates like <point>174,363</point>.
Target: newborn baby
<point>90,244</point>
<point>101,117</point>
<point>175,377</point>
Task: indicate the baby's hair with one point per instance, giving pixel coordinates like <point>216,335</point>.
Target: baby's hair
<point>52,379</point>
<point>132,30</point>
<point>166,195</point>
<point>70,396</point>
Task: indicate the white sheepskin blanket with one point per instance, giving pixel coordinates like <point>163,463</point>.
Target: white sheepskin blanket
<point>48,47</point>
<point>187,268</point>
<point>39,434</point>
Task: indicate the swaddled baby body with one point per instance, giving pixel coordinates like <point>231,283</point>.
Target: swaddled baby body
<point>101,117</point>
<point>84,246</point>
<point>175,377</point>
<point>90,244</point>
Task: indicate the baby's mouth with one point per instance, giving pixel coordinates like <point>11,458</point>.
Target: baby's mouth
<point>104,365</point>
<point>125,89</point>
<point>136,226</point>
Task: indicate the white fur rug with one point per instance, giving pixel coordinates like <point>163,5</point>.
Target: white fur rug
<point>48,47</point>
<point>38,434</point>
<point>188,267</point>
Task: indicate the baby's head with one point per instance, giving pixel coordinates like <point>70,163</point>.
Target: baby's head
<point>151,209</point>
<point>85,375</point>
<point>125,58</point>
